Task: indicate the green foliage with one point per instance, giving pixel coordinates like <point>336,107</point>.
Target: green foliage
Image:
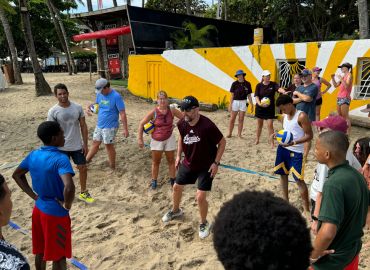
<point>222,105</point>
<point>84,55</point>
<point>42,28</point>
<point>296,20</point>
<point>178,6</point>
<point>192,37</point>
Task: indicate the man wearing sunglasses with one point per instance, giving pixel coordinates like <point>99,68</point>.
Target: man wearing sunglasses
<point>203,145</point>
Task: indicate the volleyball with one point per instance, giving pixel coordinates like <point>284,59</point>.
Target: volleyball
<point>284,136</point>
<point>266,101</point>
<point>94,108</point>
<point>149,127</point>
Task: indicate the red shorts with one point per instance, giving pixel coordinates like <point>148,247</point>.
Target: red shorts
<point>354,264</point>
<point>51,236</point>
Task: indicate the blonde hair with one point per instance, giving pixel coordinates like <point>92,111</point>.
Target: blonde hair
<point>162,93</point>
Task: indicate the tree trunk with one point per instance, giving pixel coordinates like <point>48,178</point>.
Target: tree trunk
<point>128,2</point>
<point>89,5</point>
<point>11,43</point>
<point>64,36</point>
<point>115,3</point>
<point>41,85</point>
<point>60,35</point>
<point>363,18</point>
<point>225,3</point>
<point>143,3</point>
<point>188,10</point>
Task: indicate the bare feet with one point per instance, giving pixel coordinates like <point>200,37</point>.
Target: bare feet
<point>228,136</point>
<point>257,141</point>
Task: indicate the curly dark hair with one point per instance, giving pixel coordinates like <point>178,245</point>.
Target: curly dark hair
<point>364,149</point>
<point>257,230</point>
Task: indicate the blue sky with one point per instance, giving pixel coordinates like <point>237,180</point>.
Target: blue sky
<point>109,3</point>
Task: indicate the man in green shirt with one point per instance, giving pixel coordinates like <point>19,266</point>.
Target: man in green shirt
<point>344,206</point>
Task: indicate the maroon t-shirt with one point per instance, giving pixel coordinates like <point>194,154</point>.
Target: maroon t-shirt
<point>241,90</point>
<point>199,143</point>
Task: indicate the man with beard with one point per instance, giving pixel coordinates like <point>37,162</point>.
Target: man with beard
<point>203,145</point>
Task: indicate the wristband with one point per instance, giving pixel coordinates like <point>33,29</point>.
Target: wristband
<point>217,163</point>
<point>314,218</point>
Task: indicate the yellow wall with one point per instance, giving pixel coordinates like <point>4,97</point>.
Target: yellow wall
<point>207,73</point>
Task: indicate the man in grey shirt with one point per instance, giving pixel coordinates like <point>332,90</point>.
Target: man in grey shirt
<point>71,118</point>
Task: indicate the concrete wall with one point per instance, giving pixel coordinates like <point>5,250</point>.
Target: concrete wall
<point>207,73</point>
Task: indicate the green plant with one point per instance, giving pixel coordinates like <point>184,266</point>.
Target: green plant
<point>222,105</point>
<point>84,55</point>
<point>191,37</point>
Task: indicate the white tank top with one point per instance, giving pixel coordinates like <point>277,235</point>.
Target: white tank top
<point>297,131</point>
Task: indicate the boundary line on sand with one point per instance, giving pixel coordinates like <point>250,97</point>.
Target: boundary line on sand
<point>72,260</point>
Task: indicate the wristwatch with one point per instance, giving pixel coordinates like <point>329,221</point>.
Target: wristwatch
<point>314,218</point>
<point>216,163</point>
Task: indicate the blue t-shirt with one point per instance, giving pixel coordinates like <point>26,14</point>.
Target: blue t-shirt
<point>46,165</point>
<point>109,108</point>
<point>308,107</point>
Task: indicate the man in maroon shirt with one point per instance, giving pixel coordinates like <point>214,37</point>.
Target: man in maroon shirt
<point>203,145</point>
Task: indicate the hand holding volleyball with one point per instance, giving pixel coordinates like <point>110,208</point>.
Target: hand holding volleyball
<point>284,137</point>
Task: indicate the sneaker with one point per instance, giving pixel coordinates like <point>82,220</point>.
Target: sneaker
<point>86,197</point>
<point>153,184</point>
<point>204,230</point>
<point>170,215</point>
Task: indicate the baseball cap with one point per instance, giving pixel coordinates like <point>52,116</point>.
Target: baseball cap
<point>266,73</point>
<point>334,122</point>
<point>306,72</point>
<point>189,102</point>
<point>367,109</point>
<point>100,84</point>
<point>347,65</point>
<point>240,72</point>
<point>315,69</point>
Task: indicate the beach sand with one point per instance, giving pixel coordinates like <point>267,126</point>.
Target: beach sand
<point>123,228</point>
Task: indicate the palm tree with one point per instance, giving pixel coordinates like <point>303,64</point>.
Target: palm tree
<point>363,18</point>
<point>4,6</point>
<point>62,35</point>
<point>41,85</point>
<point>89,5</point>
<point>188,10</point>
<point>115,3</point>
<point>193,37</point>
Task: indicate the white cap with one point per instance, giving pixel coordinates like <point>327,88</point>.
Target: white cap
<point>266,73</point>
<point>100,84</point>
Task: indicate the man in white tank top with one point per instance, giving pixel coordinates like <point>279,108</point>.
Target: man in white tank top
<point>289,157</point>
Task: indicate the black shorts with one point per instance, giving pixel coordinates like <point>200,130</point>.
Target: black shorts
<point>318,102</point>
<point>77,156</point>
<point>185,176</point>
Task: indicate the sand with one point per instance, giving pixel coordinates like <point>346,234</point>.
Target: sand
<point>123,228</point>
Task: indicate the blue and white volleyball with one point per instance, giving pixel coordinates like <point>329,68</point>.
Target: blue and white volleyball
<point>284,136</point>
<point>149,127</point>
<point>94,108</point>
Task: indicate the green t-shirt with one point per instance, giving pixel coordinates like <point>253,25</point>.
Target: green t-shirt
<point>345,201</point>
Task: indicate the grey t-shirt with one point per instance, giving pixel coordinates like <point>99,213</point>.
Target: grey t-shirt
<point>308,107</point>
<point>69,119</point>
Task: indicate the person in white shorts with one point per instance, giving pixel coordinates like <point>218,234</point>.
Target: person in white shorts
<point>111,107</point>
<point>240,90</point>
<point>163,139</point>
<point>336,123</point>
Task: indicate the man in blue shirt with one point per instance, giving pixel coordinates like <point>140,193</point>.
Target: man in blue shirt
<point>111,106</point>
<point>305,99</point>
<point>305,95</point>
<point>53,190</point>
